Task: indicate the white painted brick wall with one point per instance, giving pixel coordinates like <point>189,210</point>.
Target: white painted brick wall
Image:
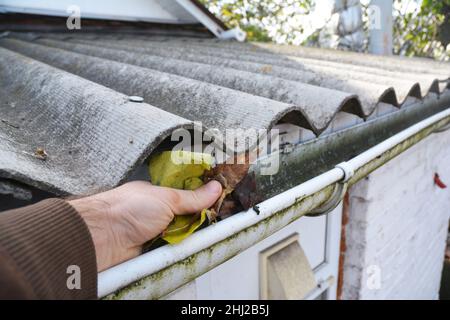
<point>398,222</point>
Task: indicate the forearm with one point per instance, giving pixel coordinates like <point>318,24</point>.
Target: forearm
<point>98,212</point>
<point>41,242</point>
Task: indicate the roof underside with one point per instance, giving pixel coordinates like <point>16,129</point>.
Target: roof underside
<point>68,94</point>
<point>160,11</point>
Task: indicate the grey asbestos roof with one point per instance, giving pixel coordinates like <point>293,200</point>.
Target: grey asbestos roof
<point>69,96</point>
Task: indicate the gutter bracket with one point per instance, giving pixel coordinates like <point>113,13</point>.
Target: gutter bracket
<point>216,28</point>
<point>347,169</point>
<point>235,33</point>
<point>340,188</point>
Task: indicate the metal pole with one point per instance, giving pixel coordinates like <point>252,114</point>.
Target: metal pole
<point>381,27</point>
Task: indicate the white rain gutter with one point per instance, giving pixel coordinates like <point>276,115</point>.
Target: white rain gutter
<point>156,260</point>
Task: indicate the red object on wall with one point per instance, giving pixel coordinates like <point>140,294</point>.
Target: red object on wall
<point>438,182</point>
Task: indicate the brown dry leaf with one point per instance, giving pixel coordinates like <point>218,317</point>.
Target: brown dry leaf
<point>229,207</point>
<point>266,69</point>
<point>246,193</point>
<point>41,154</point>
<point>231,176</point>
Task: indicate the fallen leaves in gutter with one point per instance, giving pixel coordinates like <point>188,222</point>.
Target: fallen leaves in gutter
<point>180,170</point>
<point>231,175</point>
<point>192,170</point>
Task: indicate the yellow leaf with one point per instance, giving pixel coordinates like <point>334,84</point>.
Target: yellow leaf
<point>180,170</point>
<point>182,227</point>
<point>172,168</point>
<point>192,183</point>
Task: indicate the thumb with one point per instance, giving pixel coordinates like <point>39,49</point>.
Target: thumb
<point>194,201</point>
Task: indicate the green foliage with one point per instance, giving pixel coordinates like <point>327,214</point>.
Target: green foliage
<point>263,20</point>
<point>434,6</point>
<point>420,31</point>
<point>417,31</point>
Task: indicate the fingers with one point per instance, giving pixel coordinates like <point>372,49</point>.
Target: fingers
<point>187,202</point>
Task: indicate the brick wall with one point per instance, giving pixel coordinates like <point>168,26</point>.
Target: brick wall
<point>397,226</point>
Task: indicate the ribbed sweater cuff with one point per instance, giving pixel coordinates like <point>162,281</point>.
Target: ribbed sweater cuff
<point>48,243</point>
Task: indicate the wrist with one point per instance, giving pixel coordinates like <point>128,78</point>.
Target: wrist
<point>95,212</point>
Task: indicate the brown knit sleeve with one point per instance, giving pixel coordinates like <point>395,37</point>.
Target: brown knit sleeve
<point>42,248</point>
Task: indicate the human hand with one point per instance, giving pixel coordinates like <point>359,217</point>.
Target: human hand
<point>123,219</point>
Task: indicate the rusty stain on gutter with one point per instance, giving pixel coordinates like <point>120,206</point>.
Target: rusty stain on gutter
<point>343,244</point>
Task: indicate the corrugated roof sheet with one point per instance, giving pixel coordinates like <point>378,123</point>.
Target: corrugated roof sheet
<point>69,95</point>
